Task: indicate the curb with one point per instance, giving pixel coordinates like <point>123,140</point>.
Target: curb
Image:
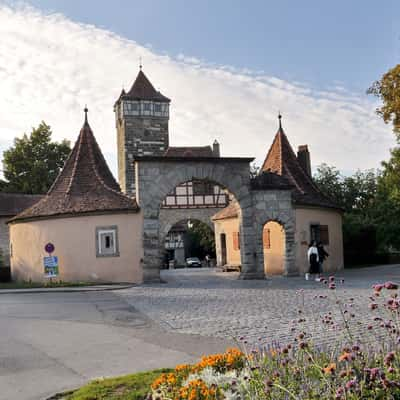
<point>70,289</point>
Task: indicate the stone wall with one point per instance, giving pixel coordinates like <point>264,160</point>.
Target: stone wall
<point>4,240</point>
<point>156,178</point>
<point>275,205</point>
<point>138,136</point>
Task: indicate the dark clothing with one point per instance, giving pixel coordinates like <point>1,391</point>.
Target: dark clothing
<point>314,264</point>
<point>322,254</point>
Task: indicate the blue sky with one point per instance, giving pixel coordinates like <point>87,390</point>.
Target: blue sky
<point>228,66</point>
<point>323,43</point>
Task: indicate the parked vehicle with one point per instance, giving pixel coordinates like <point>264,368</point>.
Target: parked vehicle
<point>193,262</point>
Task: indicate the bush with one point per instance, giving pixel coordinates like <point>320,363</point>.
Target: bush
<point>363,363</point>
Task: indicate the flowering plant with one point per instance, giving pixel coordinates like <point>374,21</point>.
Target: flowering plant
<point>362,363</point>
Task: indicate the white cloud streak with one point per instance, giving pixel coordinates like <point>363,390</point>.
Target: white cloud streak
<point>50,67</point>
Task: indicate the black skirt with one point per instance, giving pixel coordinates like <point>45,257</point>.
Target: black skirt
<point>314,267</point>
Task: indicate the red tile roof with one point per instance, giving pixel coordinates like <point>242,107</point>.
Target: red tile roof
<point>85,185</point>
<point>13,203</point>
<point>281,160</point>
<point>142,89</point>
<point>199,151</point>
<point>230,211</point>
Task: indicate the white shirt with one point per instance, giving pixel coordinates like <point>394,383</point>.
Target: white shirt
<point>312,250</point>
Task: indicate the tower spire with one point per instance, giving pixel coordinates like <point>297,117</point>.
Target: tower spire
<point>85,110</point>
<point>280,120</point>
<point>140,63</point>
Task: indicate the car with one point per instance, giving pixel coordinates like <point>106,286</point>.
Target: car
<point>193,262</point>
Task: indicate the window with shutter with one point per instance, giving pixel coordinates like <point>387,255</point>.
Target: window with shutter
<point>236,241</point>
<point>267,238</point>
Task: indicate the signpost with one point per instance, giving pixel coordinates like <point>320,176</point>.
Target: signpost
<point>50,262</point>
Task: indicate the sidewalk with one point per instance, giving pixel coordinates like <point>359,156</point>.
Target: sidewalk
<point>94,288</point>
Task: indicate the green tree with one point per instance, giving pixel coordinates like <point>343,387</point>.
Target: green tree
<point>201,239</point>
<point>388,90</point>
<point>387,204</point>
<point>33,163</point>
<point>330,182</point>
<point>356,194</point>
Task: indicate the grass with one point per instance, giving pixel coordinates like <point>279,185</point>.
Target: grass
<point>36,285</point>
<point>128,387</point>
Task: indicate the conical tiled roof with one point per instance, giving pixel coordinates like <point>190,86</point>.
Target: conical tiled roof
<point>282,160</point>
<point>142,89</point>
<point>85,185</point>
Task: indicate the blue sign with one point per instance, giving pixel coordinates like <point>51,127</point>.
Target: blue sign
<point>50,266</point>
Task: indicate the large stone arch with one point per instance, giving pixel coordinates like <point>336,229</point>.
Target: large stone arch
<point>275,205</point>
<point>158,176</point>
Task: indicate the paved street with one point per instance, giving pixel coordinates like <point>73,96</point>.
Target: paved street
<point>216,304</point>
<point>55,341</point>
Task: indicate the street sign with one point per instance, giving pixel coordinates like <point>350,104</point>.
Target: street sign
<point>49,248</point>
<point>50,266</point>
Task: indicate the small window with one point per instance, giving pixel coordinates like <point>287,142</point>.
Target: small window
<point>107,241</point>
<point>157,108</point>
<point>146,107</point>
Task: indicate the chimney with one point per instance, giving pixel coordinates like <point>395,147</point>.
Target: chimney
<point>303,156</point>
<point>215,149</point>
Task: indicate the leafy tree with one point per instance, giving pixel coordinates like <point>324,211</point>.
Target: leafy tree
<point>330,181</point>
<point>387,204</point>
<point>33,163</point>
<point>388,90</point>
<point>356,194</point>
<point>201,239</point>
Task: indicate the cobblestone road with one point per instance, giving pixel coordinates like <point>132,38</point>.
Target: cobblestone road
<point>212,303</point>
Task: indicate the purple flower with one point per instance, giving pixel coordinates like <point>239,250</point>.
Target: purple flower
<point>351,384</point>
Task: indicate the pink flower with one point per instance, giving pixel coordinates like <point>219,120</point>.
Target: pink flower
<point>350,384</point>
<point>391,285</point>
<point>377,287</point>
<point>331,279</point>
<point>373,306</point>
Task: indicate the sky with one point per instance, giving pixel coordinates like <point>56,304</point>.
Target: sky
<point>228,66</point>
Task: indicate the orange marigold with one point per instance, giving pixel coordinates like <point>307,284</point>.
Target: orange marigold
<point>330,369</point>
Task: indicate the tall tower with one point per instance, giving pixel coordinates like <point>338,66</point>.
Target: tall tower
<point>141,117</point>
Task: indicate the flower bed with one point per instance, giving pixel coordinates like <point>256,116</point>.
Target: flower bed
<point>355,366</point>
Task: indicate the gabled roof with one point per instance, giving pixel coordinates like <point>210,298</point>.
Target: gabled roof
<point>142,89</point>
<point>199,151</point>
<point>282,160</point>
<point>13,203</point>
<point>85,185</point>
<point>230,211</point>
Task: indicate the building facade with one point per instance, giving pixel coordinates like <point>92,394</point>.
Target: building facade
<point>262,223</point>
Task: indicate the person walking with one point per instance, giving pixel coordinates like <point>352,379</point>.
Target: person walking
<point>322,255</point>
<point>313,260</point>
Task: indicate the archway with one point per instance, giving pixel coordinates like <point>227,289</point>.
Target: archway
<point>274,248</point>
<point>189,239</point>
<point>156,177</point>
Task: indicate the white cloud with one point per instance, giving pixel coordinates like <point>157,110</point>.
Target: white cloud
<point>50,67</point>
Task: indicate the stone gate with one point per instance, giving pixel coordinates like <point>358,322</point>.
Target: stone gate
<point>157,176</point>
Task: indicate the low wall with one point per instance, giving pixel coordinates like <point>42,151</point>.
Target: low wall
<point>75,245</point>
